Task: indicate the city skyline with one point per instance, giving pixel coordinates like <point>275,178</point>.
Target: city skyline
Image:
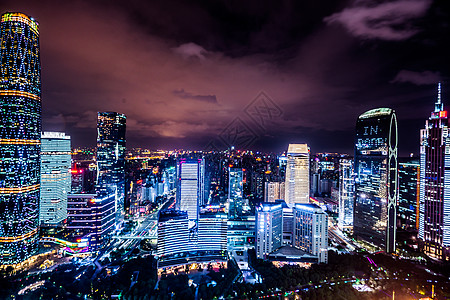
<point>183,80</point>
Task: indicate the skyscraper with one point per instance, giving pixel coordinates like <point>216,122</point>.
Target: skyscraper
<point>269,228</point>
<point>55,177</point>
<point>235,193</point>
<point>346,192</point>
<point>297,174</point>
<point>190,174</point>
<point>273,191</point>
<point>434,211</point>
<point>20,136</point>
<point>376,178</point>
<point>408,194</point>
<point>111,146</point>
<point>311,230</point>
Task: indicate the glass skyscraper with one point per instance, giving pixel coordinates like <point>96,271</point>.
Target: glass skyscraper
<point>297,174</point>
<point>408,194</point>
<point>55,177</point>
<point>269,228</point>
<point>111,146</point>
<point>376,178</point>
<point>434,211</point>
<point>346,192</point>
<point>235,193</point>
<point>20,136</point>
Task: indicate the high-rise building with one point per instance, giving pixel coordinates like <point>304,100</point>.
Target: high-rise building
<point>311,230</point>
<point>434,210</point>
<point>20,136</point>
<point>111,146</point>
<point>235,193</point>
<point>269,228</point>
<point>297,174</point>
<point>346,193</point>
<point>91,217</point>
<point>212,232</point>
<point>274,191</point>
<point>173,233</point>
<point>376,193</point>
<point>55,178</point>
<point>190,174</point>
<point>408,194</point>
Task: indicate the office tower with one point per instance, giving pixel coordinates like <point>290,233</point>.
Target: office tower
<point>212,232</point>
<point>235,193</point>
<point>92,217</point>
<point>173,233</point>
<point>311,230</point>
<point>297,174</point>
<point>20,137</point>
<point>408,194</point>
<point>111,146</point>
<point>434,210</point>
<point>190,174</point>
<point>374,219</point>
<point>346,192</point>
<point>241,233</point>
<point>55,178</point>
<point>274,191</point>
<point>269,228</point>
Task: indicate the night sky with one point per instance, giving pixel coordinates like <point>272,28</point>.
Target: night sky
<point>193,74</point>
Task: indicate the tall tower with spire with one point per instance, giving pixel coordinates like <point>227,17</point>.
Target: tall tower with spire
<point>434,209</point>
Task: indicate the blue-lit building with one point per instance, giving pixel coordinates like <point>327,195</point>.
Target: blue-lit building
<point>212,232</point>
<point>434,210</point>
<point>235,193</point>
<point>55,178</point>
<point>20,136</point>
<point>311,230</point>
<point>269,228</point>
<point>408,194</point>
<point>376,182</point>
<point>346,193</point>
<point>190,186</point>
<point>90,217</point>
<point>111,146</point>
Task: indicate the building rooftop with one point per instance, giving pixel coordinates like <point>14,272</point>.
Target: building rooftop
<point>170,214</point>
<point>383,111</point>
<point>298,148</point>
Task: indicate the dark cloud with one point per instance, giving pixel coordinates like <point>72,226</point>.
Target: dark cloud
<point>185,95</point>
<point>385,21</point>
<point>187,69</point>
<point>418,78</point>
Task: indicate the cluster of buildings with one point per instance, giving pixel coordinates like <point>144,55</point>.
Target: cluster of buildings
<point>228,203</point>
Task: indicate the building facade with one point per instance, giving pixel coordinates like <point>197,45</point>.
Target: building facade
<point>55,178</point>
<point>20,137</point>
<point>190,185</point>
<point>346,193</point>
<point>212,232</point>
<point>311,230</point>
<point>91,217</point>
<point>408,194</point>
<point>434,210</point>
<point>269,228</point>
<point>173,233</point>
<point>111,147</point>
<point>235,193</point>
<point>273,191</point>
<point>297,174</point>
<point>376,182</point>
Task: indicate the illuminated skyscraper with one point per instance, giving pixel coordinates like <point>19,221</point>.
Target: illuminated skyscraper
<point>408,194</point>
<point>235,193</point>
<point>190,185</point>
<point>269,228</point>
<point>376,181</point>
<point>55,177</point>
<point>273,191</point>
<point>346,192</point>
<point>311,230</point>
<point>297,174</point>
<point>111,146</point>
<point>434,217</point>
<point>20,136</point>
